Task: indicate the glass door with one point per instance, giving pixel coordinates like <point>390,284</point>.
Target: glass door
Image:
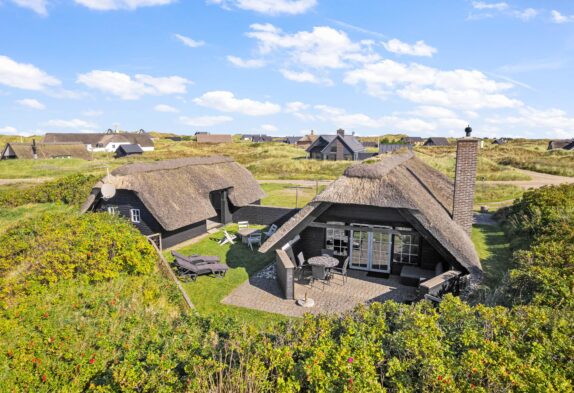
<point>381,252</point>
<point>370,250</point>
<point>360,249</point>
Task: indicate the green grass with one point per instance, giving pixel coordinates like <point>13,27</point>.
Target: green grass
<point>283,195</point>
<point>207,292</point>
<point>494,251</point>
<point>27,169</point>
<point>11,216</point>
<point>489,193</point>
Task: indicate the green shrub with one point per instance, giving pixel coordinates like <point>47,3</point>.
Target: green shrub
<point>56,247</point>
<point>71,190</point>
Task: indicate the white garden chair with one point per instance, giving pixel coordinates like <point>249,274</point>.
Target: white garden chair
<point>227,238</point>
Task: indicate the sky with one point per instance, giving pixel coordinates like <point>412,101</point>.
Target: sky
<point>284,67</point>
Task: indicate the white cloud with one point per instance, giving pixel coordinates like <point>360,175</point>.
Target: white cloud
<point>241,63</point>
<point>433,111</point>
<point>38,6</point>
<point>323,47</point>
<point>295,106</point>
<point>481,5</point>
<point>526,14</point>
<point>269,128</point>
<point>24,76</point>
<point>269,7</point>
<point>305,77</point>
<point>73,123</point>
<point>559,18</point>
<point>31,103</point>
<point>205,121</point>
<point>111,5</point>
<point>128,88</point>
<point>8,130</point>
<point>165,108</point>
<point>465,89</point>
<point>419,48</point>
<point>189,41</point>
<point>225,101</point>
<point>554,122</point>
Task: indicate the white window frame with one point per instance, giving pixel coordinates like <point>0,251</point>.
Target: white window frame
<point>407,252</point>
<point>113,210</point>
<point>135,216</point>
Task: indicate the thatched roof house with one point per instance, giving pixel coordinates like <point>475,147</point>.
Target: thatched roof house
<point>44,151</point>
<point>176,197</point>
<point>412,140</point>
<point>393,214</point>
<point>215,138</point>
<point>103,142</point>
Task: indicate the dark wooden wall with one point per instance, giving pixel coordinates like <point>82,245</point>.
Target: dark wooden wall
<point>263,215</point>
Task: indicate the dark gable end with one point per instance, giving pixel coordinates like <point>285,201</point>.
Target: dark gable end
<point>400,181</point>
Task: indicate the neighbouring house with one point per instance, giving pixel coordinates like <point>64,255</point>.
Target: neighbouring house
<point>436,141</point>
<point>500,141</point>
<point>44,150</point>
<point>564,144</point>
<point>335,147</point>
<point>177,198</point>
<point>260,138</point>
<point>201,133</point>
<point>129,150</point>
<point>397,216</point>
<point>306,140</point>
<point>413,140</point>
<point>292,140</point>
<point>215,138</point>
<point>103,142</point>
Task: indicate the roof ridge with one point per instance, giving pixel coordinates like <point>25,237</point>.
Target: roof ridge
<point>379,169</point>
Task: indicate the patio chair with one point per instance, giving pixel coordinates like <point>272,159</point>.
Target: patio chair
<point>330,253</point>
<point>243,224</point>
<point>254,238</point>
<point>196,259</point>
<point>227,238</point>
<point>302,264</point>
<point>272,229</point>
<point>322,274</point>
<point>342,271</point>
<point>192,270</point>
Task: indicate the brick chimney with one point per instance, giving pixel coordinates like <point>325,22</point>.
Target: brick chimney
<point>341,132</point>
<point>464,180</point>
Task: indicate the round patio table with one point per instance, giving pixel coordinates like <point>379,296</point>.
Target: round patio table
<point>324,260</point>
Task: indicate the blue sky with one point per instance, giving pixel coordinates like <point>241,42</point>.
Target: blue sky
<point>284,67</point>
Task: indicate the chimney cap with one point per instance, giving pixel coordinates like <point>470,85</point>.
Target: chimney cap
<point>468,131</point>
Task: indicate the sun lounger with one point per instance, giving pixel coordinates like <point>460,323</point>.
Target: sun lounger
<point>193,270</point>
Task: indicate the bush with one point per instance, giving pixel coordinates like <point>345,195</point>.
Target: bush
<point>72,190</point>
<point>57,247</point>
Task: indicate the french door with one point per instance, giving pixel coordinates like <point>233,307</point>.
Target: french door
<point>370,250</point>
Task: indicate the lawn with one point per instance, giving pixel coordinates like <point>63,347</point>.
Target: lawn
<point>207,292</point>
<point>492,193</point>
<point>284,195</point>
<point>494,252</point>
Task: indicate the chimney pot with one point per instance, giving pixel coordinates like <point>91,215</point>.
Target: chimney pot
<point>341,132</point>
<point>468,131</point>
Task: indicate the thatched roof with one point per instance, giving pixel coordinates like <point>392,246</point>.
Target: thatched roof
<point>404,182</point>
<point>142,139</point>
<point>215,138</point>
<point>176,192</point>
<point>49,150</point>
<point>436,141</point>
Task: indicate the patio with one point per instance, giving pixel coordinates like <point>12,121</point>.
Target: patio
<point>262,292</point>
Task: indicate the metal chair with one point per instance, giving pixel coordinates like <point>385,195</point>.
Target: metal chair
<point>272,229</point>
<point>301,264</point>
<point>243,224</point>
<point>342,271</point>
<point>254,238</point>
<point>227,238</point>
